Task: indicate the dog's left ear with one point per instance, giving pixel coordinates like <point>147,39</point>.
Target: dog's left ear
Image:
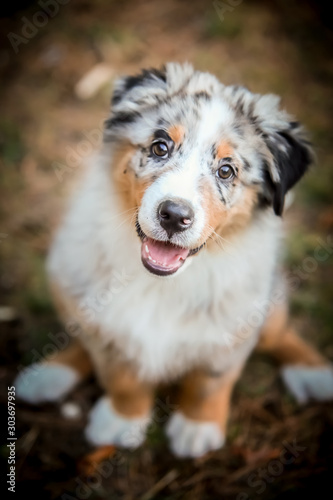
<point>288,154</point>
<point>291,157</point>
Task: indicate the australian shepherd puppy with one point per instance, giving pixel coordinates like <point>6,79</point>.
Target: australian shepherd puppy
<point>165,267</point>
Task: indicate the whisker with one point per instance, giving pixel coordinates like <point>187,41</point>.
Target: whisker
<point>218,235</point>
<point>134,216</point>
<point>219,240</point>
<point>122,213</point>
<point>127,219</point>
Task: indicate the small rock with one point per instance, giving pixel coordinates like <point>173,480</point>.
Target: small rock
<point>7,314</point>
<point>92,81</point>
<point>70,410</point>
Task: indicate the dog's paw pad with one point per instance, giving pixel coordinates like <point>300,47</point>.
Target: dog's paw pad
<point>41,383</point>
<point>309,382</point>
<point>190,438</point>
<point>107,427</point>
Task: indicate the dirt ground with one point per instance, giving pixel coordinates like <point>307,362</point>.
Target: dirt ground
<point>46,132</point>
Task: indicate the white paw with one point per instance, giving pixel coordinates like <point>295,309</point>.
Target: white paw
<point>309,382</point>
<point>106,426</point>
<point>40,383</point>
<point>189,438</point>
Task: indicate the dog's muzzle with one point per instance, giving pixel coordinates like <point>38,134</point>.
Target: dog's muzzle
<point>163,258</point>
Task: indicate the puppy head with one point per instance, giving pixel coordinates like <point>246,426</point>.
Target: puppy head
<point>197,159</point>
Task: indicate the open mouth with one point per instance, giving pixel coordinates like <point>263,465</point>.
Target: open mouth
<point>161,257</point>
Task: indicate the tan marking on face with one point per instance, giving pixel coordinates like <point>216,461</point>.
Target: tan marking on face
<point>239,215</point>
<point>176,132</point>
<point>224,150</point>
<point>213,208</point>
<point>130,188</point>
<point>222,220</point>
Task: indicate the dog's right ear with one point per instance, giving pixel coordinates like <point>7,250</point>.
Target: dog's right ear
<point>132,94</point>
<point>140,89</point>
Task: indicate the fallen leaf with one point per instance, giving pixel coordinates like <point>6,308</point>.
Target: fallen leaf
<point>88,463</point>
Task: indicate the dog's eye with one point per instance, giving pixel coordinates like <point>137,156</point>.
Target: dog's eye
<point>225,172</point>
<point>160,149</point>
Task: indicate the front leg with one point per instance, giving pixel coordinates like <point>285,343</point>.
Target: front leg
<point>122,415</point>
<point>200,424</point>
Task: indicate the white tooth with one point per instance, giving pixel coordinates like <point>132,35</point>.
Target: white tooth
<point>149,257</point>
<point>147,249</point>
<point>154,261</point>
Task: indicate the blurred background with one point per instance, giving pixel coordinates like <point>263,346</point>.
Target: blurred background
<point>58,59</point>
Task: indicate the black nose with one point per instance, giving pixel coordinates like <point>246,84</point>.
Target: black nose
<point>175,216</point>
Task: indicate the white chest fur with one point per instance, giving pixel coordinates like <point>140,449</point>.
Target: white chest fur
<point>164,325</point>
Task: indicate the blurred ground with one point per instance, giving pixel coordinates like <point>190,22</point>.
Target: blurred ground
<point>46,129</point>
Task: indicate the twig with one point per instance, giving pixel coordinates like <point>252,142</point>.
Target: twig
<point>160,485</point>
<point>27,442</point>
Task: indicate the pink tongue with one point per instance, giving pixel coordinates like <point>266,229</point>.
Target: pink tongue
<point>165,254</point>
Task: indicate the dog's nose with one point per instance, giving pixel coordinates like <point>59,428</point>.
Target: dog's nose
<point>175,217</point>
